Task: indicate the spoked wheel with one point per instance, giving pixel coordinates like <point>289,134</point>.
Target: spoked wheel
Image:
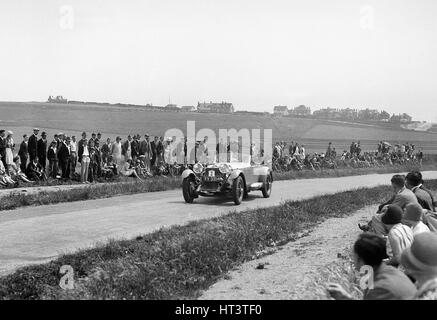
<point>188,189</point>
<point>238,190</point>
<point>267,187</point>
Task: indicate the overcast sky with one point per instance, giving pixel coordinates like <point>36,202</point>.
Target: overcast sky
<point>255,54</point>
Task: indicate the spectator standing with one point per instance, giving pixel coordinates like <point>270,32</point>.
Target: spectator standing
<point>3,147</point>
<point>10,147</point>
<point>126,149</point>
<point>160,150</point>
<point>144,151</point>
<point>73,156</point>
<point>23,153</point>
<point>33,145</point>
<point>80,146</point>
<point>84,159</point>
<point>154,149</point>
<point>52,156</point>
<point>420,260</point>
<point>135,148</point>
<point>116,151</point>
<point>63,159</point>
<point>106,150</point>
<point>42,151</point>
<point>94,161</point>
<point>329,150</point>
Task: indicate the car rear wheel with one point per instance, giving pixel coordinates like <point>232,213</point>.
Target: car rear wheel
<point>238,190</point>
<point>188,188</point>
<point>267,186</point>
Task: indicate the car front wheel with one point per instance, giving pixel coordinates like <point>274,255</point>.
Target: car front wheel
<point>267,187</point>
<point>188,188</point>
<point>238,190</point>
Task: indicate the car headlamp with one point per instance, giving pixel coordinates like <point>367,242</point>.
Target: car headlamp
<point>198,168</point>
<point>224,168</point>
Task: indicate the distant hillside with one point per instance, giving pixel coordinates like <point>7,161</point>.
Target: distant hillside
<point>112,121</point>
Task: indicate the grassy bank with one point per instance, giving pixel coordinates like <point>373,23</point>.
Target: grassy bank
<point>177,262</point>
<point>88,192</point>
<point>124,187</point>
<point>343,172</point>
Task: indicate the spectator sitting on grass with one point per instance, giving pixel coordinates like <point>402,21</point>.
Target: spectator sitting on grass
<point>128,170</point>
<point>413,181</point>
<point>399,237</point>
<point>16,173</point>
<point>401,198</point>
<point>5,179</point>
<point>389,283</point>
<point>413,218</point>
<point>420,260</point>
<point>34,171</point>
<point>109,169</point>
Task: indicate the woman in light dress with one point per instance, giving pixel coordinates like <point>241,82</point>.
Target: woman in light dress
<point>10,146</point>
<point>116,151</point>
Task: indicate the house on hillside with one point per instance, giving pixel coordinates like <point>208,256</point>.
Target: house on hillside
<point>188,108</point>
<point>280,110</point>
<point>301,111</point>
<point>172,107</point>
<point>214,107</point>
<point>57,99</point>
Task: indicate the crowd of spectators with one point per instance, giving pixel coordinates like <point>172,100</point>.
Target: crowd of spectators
<point>89,159</point>
<point>293,156</point>
<point>94,158</point>
<point>399,244</point>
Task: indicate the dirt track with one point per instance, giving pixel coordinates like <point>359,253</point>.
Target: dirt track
<point>290,272</point>
<point>37,234</point>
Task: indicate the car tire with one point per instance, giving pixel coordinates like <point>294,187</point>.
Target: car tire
<point>238,190</point>
<point>267,186</point>
<point>187,189</point>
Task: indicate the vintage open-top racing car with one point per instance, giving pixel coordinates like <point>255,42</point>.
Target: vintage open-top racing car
<point>235,178</point>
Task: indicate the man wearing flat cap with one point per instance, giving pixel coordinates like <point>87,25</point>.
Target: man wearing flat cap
<point>32,145</point>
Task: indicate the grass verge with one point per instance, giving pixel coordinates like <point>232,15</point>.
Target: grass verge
<point>178,262</point>
<point>106,190</point>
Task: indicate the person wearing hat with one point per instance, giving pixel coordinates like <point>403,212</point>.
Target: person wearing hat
<point>399,236</point>
<point>389,283</point>
<point>420,260</point>
<point>32,145</point>
<point>42,151</point>
<point>413,218</point>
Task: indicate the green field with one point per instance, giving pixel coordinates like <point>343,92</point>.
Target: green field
<point>112,121</point>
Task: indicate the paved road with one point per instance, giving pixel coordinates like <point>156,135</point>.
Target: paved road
<point>38,234</point>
